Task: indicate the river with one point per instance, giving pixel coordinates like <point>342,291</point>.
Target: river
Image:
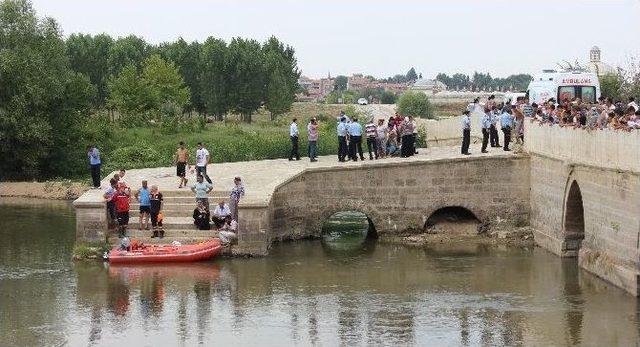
<point>303,293</point>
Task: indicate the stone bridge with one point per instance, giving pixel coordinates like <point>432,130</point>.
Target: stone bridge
<point>580,191</point>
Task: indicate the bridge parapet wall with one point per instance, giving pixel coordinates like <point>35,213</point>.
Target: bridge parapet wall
<point>448,131</point>
<point>401,196</point>
<point>604,167</point>
<point>606,149</point>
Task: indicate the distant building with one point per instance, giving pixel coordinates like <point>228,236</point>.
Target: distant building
<point>428,86</point>
<point>596,65</point>
<point>358,82</point>
<point>314,89</point>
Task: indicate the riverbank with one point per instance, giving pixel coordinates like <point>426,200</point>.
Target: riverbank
<point>52,190</point>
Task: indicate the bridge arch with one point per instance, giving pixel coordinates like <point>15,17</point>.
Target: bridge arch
<point>460,208</point>
<point>374,220</point>
<point>465,220</point>
<point>573,219</point>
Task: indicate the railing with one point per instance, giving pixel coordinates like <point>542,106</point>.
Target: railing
<point>618,150</point>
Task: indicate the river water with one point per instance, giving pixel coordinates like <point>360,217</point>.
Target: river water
<point>304,293</point>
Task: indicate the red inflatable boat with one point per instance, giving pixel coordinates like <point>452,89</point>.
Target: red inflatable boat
<point>139,253</point>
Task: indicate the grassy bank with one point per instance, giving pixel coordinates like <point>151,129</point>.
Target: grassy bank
<point>228,141</point>
<point>154,145</point>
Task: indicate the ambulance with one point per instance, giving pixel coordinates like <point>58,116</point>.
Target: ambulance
<point>564,85</point>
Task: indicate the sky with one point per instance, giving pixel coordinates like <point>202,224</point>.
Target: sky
<point>381,38</point>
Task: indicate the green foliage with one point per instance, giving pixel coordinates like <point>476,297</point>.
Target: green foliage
<point>282,76</point>
<point>164,83</point>
<point>342,97</point>
<point>611,86</point>
<point>340,83</point>
<point>245,75</point>
<point>412,75</point>
<point>388,97</point>
<point>160,82</point>
<point>130,50</point>
<point>53,93</point>
<point>89,55</point>
<point>42,102</point>
<point>186,56</point>
<point>481,81</point>
<point>415,104</point>
<point>213,81</point>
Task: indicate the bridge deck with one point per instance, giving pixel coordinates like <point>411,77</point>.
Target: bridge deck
<point>261,177</point>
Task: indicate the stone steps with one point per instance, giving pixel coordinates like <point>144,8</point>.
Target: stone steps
<point>169,223</point>
<point>194,233</point>
<point>168,210</point>
<point>187,193</point>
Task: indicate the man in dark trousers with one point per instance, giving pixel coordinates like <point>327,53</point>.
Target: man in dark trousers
<point>294,134</point>
<point>466,132</point>
<point>342,138</point>
<point>355,140</point>
<point>494,140</point>
<point>486,128</point>
<point>94,162</point>
<point>506,121</point>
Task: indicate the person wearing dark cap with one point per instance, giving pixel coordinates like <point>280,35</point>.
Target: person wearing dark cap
<point>466,132</point>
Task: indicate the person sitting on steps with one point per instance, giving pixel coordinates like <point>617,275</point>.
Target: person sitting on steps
<point>220,212</point>
<point>228,232</point>
<point>201,216</point>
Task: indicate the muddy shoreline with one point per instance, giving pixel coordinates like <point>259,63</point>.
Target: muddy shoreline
<point>492,234</point>
<point>51,190</point>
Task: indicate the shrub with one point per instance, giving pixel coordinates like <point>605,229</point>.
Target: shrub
<point>415,104</point>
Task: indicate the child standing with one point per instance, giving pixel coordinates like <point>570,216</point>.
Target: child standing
<point>155,199</point>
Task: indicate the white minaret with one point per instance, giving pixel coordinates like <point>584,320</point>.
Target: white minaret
<point>594,54</point>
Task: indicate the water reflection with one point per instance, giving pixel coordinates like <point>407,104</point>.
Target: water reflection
<point>305,293</point>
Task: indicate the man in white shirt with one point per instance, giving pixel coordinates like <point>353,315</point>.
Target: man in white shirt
<point>220,213</point>
<point>202,159</point>
<point>294,134</point>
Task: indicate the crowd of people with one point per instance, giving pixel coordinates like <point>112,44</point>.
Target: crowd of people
<point>118,196</point>
<point>604,114</point>
<point>395,138</point>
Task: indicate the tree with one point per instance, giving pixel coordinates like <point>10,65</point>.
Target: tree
<point>160,82</point>
<point>611,86</point>
<point>388,97</point>
<point>213,77</point>
<point>415,104</point>
<point>281,72</point>
<point>186,56</point>
<point>411,75</point>
<point>163,83</point>
<point>89,56</point>
<point>245,71</point>
<point>130,50</point>
<point>340,83</point>
<point>42,101</point>
<point>127,93</point>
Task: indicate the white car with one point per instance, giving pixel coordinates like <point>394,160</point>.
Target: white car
<point>363,101</point>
